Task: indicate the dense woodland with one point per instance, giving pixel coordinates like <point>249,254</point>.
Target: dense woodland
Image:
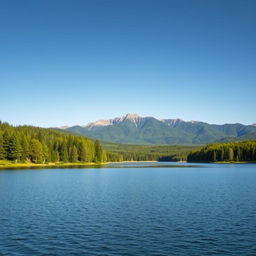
<point>233,151</point>
<point>40,145</point>
<point>129,152</point>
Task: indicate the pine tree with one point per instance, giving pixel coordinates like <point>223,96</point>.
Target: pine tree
<point>82,152</point>
<point>6,140</point>
<point>104,157</point>
<point>36,151</point>
<point>2,152</point>
<point>214,156</point>
<point>14,149</point>
<point>74,155</point>
<point>63,153</point>
<point>25,148</point>
<point>98,152</point>
<point>230,154</point>
<point>55,157</point>
<point>45,153</point>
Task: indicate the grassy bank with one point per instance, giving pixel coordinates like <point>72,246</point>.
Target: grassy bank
<point>4,164</point>
<point>234,162</point>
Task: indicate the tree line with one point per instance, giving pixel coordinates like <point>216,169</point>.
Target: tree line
<point>41,145</point>
<point>130,152</point>
<point>232,151</point>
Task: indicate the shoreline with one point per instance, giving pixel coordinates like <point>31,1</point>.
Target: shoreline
<point>225,162</point>
<point>10,165</point>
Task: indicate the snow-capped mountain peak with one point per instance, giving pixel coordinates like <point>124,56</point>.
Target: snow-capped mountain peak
<point>135,118</point>
<point>172,122</point>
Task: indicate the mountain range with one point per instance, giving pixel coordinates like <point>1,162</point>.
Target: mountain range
<point>134,129</point>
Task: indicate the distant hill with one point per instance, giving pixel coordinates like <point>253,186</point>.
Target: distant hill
<point>134,129</point>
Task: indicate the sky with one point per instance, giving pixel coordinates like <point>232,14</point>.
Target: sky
<point>68,62</point>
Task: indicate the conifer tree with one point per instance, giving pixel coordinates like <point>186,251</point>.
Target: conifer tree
<point>14,150</point>
<point>82,155</point>
<point>214,156</point>
<point>74,155</point>
<point>2,153</point>
<point>36,151</point>
<point>25,148</point>
<point>230,154</point>
<point>63,153</point>
<point>55,157</point>
<point>98,152</point>
<point>45,153</point>
<point>6,141</point>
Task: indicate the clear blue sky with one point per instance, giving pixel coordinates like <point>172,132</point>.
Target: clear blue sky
<point>71,62</point>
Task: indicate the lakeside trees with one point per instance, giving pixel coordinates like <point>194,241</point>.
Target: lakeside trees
<point>129,152</point>
<point>41,145</point>
<point>233,151</point>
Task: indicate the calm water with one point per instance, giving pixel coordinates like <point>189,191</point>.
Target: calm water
<point>201,210</point>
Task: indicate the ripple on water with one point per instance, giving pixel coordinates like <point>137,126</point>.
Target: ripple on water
<point>150,211</point>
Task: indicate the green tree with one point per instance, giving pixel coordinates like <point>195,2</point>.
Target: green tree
<point>74,155</point>
<point>82,154</point>
<point>214,156</point>
<point>2,152</point>
<point>63,153</point>
<point>45,153</point>
<point>25,148</point>
<point>230,154</point>
<point>98,152</point>
<point>55,157</point>
<point>6,141</point>
<point>104,157</point>
<point>36,151</point>
<point>14,149</point>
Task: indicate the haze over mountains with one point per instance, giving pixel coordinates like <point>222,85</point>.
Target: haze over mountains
<point>134,129</point>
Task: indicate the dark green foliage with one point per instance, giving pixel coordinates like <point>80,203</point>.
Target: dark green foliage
<point>6,138</point>
<point>36,151</point>
<point>39,145</point>
<point>14,150</point>
<point>83,156</point>
<point>63,152</point>
<point>98,152</point>
<point>128,152</point>
<point>46,155</point>
<point>25,149</point>
<point>55,157</point>
<point>114,157</point>
<point>74,155</point>
<point>232,151</point>
<point>2,152</point>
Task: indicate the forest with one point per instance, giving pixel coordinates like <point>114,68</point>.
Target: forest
<point>42,145</point>
<point>244,151</point>
<point>131,152</point>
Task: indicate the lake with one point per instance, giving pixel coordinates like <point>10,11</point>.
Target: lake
<point>130,209</point>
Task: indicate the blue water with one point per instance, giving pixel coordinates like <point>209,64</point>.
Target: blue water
<point>199,210</point>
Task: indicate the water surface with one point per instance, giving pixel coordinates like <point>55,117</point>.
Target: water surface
<point>205,209</point>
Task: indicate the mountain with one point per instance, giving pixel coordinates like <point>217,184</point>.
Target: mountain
<point>134,129</point>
